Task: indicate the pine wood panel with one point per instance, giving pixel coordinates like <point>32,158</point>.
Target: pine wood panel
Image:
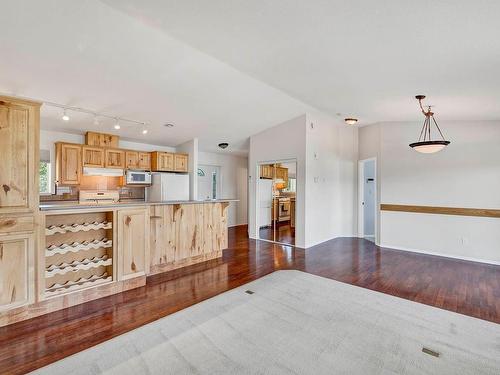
<point>162,237</point>
<point>68,163</point>
<point>13,224</point>
<point>133,249</point>
<point>181,162</point>
<point>186,234</point>
<point>459,211</point>
<point>189,227</point>
<point>14,141</point>
<point>144,160</point>
<point>16,270</point>
<point>101,139</point>
<point>115,158</point>
<point>93,157</point>
<point>132,158</point>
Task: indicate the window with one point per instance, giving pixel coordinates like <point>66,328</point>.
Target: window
<point>44,169</point>
<point>292,185</point>
<point>214,185</point>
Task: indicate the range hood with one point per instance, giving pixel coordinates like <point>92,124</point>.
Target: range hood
<point>108,172</point>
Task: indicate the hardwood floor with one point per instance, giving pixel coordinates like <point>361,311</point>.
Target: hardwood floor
<point>465,287</point>
<point>284,233</point>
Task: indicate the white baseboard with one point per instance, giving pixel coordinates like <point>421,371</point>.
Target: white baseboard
<point>460,257</point>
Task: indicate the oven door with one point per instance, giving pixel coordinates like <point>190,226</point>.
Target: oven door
<point>138,178</point>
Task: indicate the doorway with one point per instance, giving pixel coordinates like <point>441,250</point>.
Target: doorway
<point>276,195</point>
<point>209,186</point>
<point>368,199</point>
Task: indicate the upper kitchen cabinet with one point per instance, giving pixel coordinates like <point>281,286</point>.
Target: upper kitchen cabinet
<point>138,160</point>
<point>93,156</point>
<point>132,158</point>
<point>68,163</point>
<point>101,140</point>
<point>115,158</point>
<point>180,162</point>
<point>282,173</point>
<point>267,171</point>
<point>162,161</point>
<point>144,161</point>
<point>19,144</point>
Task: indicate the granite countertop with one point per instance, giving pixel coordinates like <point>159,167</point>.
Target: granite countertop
<point>74,205</point>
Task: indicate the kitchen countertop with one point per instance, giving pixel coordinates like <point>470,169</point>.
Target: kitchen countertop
<point>74,205</point>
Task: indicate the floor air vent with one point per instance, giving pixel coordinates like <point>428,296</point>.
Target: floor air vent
<point>249,292</point>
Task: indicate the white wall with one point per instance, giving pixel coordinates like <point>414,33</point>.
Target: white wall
<point>234,171</point>
<point>465,174</point>
<point>326,155</point>
<point>331,179</point>
<point>282,142</point>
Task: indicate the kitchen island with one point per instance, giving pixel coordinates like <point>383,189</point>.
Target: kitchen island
<point>87,251</point>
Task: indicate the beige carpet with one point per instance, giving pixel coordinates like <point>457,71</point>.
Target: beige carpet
<point>297,323</point>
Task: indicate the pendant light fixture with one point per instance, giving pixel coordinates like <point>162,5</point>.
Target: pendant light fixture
<point>425,143</point>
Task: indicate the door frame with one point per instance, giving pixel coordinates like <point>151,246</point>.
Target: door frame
<point>361,191</point>
<point>257,208</point>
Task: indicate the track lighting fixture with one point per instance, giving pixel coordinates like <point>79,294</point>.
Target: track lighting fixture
<point>144,130</point>
<point>65,116</point>
<point>117,124</point>
<point>96,119</point>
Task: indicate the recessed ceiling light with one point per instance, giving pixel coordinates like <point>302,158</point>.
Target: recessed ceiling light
<point>65,116</point>
<point>168,125</point>
<point>351,121</point>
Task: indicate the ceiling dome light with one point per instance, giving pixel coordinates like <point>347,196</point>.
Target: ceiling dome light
<point>65,116</point>
<point>223,145</point>
<point>117,124</point>
<point>351,121</point>
<point>425,143</point>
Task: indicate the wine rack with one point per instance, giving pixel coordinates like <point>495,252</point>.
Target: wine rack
<point>78,252</point>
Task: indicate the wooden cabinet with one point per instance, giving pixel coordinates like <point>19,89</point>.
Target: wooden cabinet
<point>138,160</point>
<point>68,163</point>
<point>93,156</point>
<point>144,161</point>
<point>16,270</point>
<point>282,174</point>
<point>19,147</point>
<point>181,162</point>
<point>132,158</point>
<point>115,158</point>
<point>101,140</point>
<point>184,234</point>
<point>267,171</point>
<point>162,161</point>
<point>133,247</point>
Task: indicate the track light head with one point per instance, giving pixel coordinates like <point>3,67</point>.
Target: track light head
<point>65,116</point>
<point>117,124</point>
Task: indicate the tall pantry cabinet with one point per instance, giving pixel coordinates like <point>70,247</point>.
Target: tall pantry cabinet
<point>19,149</point>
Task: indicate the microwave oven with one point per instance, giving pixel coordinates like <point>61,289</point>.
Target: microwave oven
<point>137,178</point>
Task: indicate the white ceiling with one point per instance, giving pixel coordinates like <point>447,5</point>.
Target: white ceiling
<point>86,54</point>
<point>224,70</point>
<point>362,58</point>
